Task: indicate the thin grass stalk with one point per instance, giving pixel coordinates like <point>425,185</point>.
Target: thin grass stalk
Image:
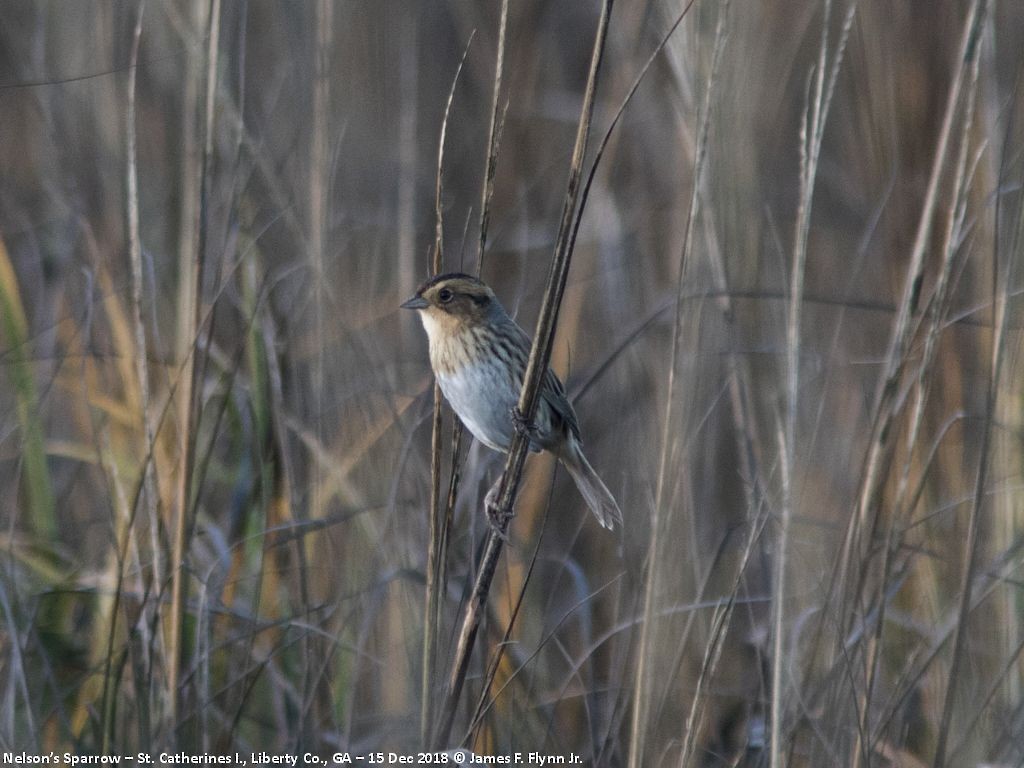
<point>886,402</point>
<point>188,402</point>
<point>104,632</point>
<point>485,700</point>
<point>151,493</point>
<point>493,142</point>
<point>605,140</point>
<point>186,307</point>
<point>738,375</point>
<point>38,489</point>
<point>319,192</point>
<point>882,427</point>
<point>188,233</point>
<point>148,481</point>
<point>278,474</point>
<point>574,671</point>
<point>939,304</point>
<point>599,154</point>
<point>107,698</point>
<point>441,570</point>
<point>251,357</point>
<point>640,683</point>
<point>811,136</point>
<point>970,552</point>
<point>1009,508</point>
<point>1000,294</point>
<point>540,354</point>
<point>188,249</point>
<point>15,329</point>
<point>494,131</point>
<point>408,151</point>
<point>432,614</point>
<point>319,198</point>
<point>257,352</point>
<point>738,371</point>
<point>719,628</point>
<point>787,435</point>
<point>231,111</point>
<point>105,620</point>
<point>124,542</point>
<point>436,519</point>
<point>885,409</point>
<point>454,478</point>
<point>603,145</point>
<point>493,139</point>
<point>16,681</point>
<point>1000,680</point>
<point>145,635</point>
<point>670,677</point>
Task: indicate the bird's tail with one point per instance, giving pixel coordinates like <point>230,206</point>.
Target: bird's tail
<point>593,490</point>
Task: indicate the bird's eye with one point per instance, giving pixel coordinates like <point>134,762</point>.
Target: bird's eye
<point>445,295</point>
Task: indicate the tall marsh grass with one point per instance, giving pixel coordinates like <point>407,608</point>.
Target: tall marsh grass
<point>791,329</point>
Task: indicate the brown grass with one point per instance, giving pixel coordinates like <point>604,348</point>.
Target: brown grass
<point>791,329</point>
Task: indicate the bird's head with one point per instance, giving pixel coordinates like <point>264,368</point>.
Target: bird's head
<point>448,302</point>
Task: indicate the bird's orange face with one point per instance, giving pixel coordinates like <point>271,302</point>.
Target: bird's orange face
<point>451,301</point>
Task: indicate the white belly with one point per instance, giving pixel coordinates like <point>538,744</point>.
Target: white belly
<point>483,400</point>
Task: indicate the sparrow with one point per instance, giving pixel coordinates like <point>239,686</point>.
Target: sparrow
<point>479,354</point>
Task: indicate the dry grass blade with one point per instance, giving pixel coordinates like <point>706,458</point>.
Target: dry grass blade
<point>540,354</point>
<point>135,261</point>
<point>15,329</point>
<point>493,139</point>
<point>190,377</point>
<point>658,49</point>
<point>319,207</point>
<point>1000,291</point>
<point>216,459</point>
<point>148,482</point>
<point>641,683</point>
<point>436,519</point>
<point>493,142</point>
<point>939,306</point>
<point>486,699</point>
<point>812,133</point>
<point>908,307</point>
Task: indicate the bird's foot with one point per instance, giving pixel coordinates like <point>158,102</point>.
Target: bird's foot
<point>523,425</point>
<point>498,518</point>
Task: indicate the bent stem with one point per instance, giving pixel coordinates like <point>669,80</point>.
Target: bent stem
<point>437,535</point>
<point>540,354</point>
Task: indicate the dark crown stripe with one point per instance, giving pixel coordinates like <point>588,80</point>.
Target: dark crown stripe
<point>447,276</point>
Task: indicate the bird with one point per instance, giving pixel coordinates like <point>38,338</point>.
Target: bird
<point>478,354</point>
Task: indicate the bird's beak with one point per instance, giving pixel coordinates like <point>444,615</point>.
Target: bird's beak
<point>416,302</point>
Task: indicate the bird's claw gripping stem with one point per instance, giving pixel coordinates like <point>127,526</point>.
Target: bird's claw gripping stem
<point>498,519</point>
<point>523,425</point>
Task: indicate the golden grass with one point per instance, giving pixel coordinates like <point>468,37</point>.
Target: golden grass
<point>813,426</point>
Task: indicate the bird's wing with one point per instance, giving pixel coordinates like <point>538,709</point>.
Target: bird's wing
<point>554,393</point>
<point>551,389</point>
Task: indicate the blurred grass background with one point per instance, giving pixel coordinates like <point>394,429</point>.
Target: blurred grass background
<point>214,420</point>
